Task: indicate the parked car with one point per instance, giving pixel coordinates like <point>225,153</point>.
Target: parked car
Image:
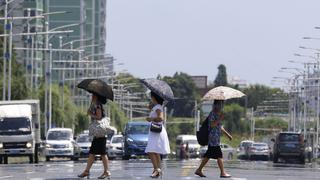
<point>60,143</point>
<point>135,139</point>
<point>242,151</point>
<point>289,145</point>
<point>115,147</point>
<point>84,143</point>
<point>188,145</point>
<point>227,151</point>
<point>259,151</point>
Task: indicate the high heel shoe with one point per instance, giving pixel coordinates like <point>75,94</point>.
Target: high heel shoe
<point>156,173</point>
<point>106,174</point>
<point>84,174</point>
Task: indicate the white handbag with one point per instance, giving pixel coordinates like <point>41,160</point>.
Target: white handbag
<point>99,128</point>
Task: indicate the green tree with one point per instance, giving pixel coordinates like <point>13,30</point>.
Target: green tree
<point>131,82</point>
<point>234,119</point>
<point>82,122</point>
<point>257,93</point>
<point>185,93</point>
<point>221,78</point>
<point>60,115</point>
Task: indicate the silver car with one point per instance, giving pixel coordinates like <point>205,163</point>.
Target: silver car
<point>258,151</point>
<point>242,151</point>
<point>115,147</point>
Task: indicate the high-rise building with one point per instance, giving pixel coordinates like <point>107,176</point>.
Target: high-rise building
<point>32,60</point>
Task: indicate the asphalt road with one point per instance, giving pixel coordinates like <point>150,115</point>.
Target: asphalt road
<point>141,169</point>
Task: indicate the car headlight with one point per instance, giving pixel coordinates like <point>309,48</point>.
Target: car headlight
<point>1,145</point>
<point>48,145</point>
<point>29,145</point>
<point>130,141</point>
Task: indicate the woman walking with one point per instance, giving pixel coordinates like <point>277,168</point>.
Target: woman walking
<point>158,142</point>
<point>98,145</point>
<point>214,150</point>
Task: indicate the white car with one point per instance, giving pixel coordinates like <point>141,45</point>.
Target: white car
<point>83,141</point>
<point>242,151</point>
<point>259,150</point>
<point>115,147</point>
<point>189,142</point>
<point>60,143</point>
<point>227,151</point>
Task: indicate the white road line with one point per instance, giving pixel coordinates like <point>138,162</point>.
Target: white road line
<point>5,177</point>
<point>239,178</point>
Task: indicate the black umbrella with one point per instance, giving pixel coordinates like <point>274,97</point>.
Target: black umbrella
<point>159,87</point>
<point>97,86</point>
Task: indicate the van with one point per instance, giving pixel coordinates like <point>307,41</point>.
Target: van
<point>289,145</point>
<point>60,143</point>
<point>189,143</point>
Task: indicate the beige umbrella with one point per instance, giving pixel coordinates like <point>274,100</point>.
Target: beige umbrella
<point>222,93</point>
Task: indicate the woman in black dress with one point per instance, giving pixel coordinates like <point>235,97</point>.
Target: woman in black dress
<point>98,145</point>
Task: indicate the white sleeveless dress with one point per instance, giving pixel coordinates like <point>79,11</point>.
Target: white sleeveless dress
<point>158,142</point>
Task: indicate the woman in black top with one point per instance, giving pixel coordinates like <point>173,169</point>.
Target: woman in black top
<point>98,145</point>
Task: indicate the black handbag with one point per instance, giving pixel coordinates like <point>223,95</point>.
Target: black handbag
<point>156,128</point>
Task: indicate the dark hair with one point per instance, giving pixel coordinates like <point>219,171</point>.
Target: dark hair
<point>157,97</point>
<point>101,99</point>
<point>218,104</point>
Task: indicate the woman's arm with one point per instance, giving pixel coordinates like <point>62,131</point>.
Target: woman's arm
<point>226,133</point>
<point>159,117</point>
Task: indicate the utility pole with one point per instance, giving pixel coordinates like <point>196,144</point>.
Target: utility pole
<point>5,55</point>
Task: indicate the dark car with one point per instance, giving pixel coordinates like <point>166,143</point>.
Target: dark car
<point>135,138</point>
<point>289,145</point>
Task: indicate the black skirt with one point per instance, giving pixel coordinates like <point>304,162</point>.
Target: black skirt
<point>213,152</point>
<point>98,146</point>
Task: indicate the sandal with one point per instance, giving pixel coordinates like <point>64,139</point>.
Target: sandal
<point>225,176</point>
<point>199,173</point>
<point>84,174</point>
<point>106,174</point>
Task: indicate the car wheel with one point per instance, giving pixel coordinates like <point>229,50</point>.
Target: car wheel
<point>47,158</point>
<point>5,159</point>
<point>302,160</point>
<point>126,157</point>
<point>275,158</point>
<point>31,159</point>
<point>1,159</point>
<point>74,158</point>
<point>230,156</point>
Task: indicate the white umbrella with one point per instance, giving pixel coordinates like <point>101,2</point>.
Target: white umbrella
<point>222,93</point>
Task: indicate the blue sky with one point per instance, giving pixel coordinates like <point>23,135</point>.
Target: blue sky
<point>253,38</point>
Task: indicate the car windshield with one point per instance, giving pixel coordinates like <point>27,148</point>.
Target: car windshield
<point>138,129</point>
<point>259,145</point>
<point>59,135</point>
<point>246,144</point>
<point>83,139</point>
<point>289,137</point>
<point>117,140</point>
<point>8,125</point>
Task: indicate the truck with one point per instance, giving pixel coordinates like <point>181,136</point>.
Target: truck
<point>19,129</point>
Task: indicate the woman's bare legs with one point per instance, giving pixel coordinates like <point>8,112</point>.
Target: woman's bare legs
<point>90,162</point>
<point>105,163</point>
<point>203,163</point>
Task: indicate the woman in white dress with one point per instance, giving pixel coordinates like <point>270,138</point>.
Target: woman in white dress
<point>158,142</point>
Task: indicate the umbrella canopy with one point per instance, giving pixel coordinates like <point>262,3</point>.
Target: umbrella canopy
<point>159,87</point>
<point>222,93</point>
<point>97,86</point>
